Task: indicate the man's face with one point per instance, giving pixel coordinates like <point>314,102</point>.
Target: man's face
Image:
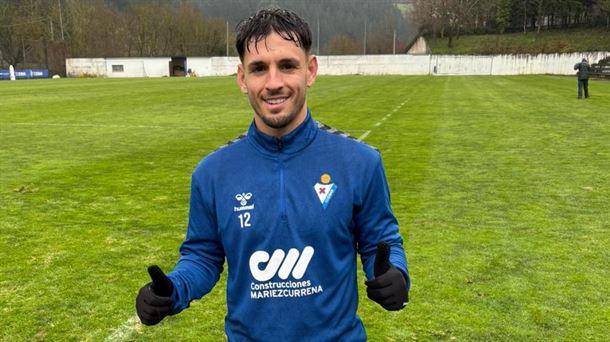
<point>275,75</point>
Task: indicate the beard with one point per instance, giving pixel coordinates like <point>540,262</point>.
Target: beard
<point>278,121</point>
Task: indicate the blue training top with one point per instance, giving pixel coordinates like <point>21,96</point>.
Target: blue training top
<point>289,215</point>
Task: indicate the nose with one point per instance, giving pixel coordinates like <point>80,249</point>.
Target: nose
<point>275,81</point>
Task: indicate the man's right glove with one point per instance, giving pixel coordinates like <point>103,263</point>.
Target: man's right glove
<point>389,288</point>
<point>154,301</point>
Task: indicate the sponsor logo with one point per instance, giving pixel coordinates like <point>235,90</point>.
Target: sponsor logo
<point>243,199</point>
<point>325,190</point>
<point>280,263</point>
<point>283,265</point>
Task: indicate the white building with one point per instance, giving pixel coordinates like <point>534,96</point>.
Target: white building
<point>403,64</point>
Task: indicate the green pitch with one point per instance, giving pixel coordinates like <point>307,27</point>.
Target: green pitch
<point>501,186</point>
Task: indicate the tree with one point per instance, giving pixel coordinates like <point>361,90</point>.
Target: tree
<point>540,13</point>
<point>94,29</point>
<point>342,44</point>
<point>146,23</point>
<point>604,8</point>
<point>22,29</point>
<point>503,14</point>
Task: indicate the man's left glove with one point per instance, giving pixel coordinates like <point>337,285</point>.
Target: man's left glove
<point>389,288</point>
<point>154,300</point>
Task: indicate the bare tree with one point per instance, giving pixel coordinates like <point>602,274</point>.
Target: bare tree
<point>22,29</point>
<point>146,25</point>
<point>344,45</point>
<point>95,29</point>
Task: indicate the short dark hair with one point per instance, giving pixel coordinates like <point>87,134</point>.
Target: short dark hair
<point>285,23</point>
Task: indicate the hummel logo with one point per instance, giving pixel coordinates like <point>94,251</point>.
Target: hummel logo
<point>280,263</point>
<point>243,198</point>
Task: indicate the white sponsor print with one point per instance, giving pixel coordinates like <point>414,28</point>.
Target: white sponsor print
<point>280,263</point>
<point>243,199</point>
<point>284,265</point>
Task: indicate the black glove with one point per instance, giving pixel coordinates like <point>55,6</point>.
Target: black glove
<point>154,301</point>
<point>389,288</point>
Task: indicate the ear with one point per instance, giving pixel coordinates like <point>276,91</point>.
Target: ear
<point>312,70</point>
<point>241,79</point>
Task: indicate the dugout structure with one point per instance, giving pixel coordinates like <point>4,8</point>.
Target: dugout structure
<point>601,69</point>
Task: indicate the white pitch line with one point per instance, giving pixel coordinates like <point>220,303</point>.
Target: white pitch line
<point>125,331</point>
<point>366,134</point>
<point>363,136</point>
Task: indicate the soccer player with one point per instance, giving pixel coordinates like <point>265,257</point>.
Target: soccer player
<point>289,206</point>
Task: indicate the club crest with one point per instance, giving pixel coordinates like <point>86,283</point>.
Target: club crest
<point>325,190</point>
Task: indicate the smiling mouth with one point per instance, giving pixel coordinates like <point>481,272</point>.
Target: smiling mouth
<point>276,101</point>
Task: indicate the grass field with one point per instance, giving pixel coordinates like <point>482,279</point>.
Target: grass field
<point>500,184</point>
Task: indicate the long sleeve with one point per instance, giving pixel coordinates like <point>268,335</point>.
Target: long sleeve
<point>202,254</point>
<point>375,222</point>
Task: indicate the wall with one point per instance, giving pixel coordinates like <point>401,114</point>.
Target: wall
<point>132,67</point>
<point>557,64</point>
<point>212,66</point>
<point>138,67</point>
<point>374,65</point>
<point>76,67</point>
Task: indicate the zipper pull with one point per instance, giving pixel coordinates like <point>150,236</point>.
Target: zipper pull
<point>280,144</point>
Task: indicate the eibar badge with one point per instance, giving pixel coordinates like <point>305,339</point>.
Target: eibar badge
<point>326,190</point>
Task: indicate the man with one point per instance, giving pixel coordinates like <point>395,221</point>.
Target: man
<point>288,206</point>
<point>583,77</point>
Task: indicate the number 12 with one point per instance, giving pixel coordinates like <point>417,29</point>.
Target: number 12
<point>244,220</point>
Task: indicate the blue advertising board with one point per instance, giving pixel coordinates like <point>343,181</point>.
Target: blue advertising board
<point>25,74</point>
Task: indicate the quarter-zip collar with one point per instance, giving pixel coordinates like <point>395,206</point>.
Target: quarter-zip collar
<point>290,143</point>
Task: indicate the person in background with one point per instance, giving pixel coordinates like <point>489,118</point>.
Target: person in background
<point>583,77</point>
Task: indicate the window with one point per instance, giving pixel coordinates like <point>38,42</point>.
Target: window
<point>117,68</point>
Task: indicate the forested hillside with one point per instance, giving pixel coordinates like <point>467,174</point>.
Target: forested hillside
<point>117,28</point>
<point>551,41</point>
<point>454,18</point>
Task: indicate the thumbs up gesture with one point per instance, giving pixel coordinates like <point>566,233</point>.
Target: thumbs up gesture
<point>154,301</point>
<point>389,288</point>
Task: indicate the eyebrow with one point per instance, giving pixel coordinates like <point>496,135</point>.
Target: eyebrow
<point>289,60</point>
<point>255,64</point>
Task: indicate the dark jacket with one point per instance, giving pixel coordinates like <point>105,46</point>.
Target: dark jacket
<point>583,70</point>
